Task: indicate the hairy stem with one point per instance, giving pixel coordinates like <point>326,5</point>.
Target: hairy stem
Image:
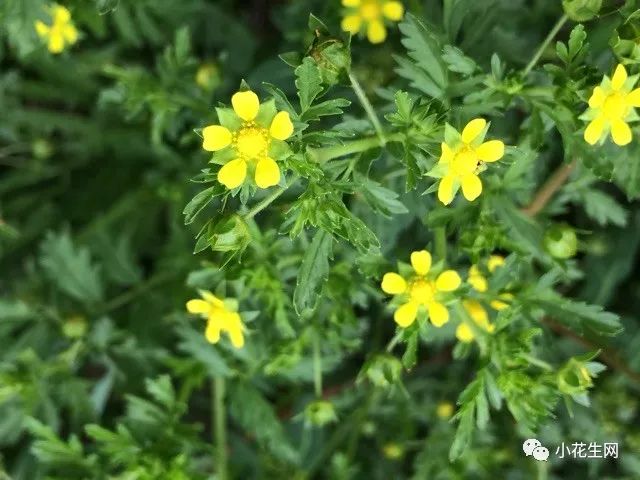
<point>549,189</point>
<point>220,427</point>
<point>440,243</point>
<point>543,46</point>
<point>371,113</point>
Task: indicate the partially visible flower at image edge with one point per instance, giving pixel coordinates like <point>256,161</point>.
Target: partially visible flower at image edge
<point>61,32</point>
<point>251,142</point>
<point>611,107</point>
<point>220,318</point>
<point>370,16</point>
<point>421,290</point>
<point>461,159</point>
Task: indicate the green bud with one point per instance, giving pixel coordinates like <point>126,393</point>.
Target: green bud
<point>41,149</point>
<point>561,241</point>
<point>320,413</point>
<point>574,378</point>
<point>75,327</point>
<point>229,235</point>
<point>333,58</point>
<point>581,10</point>
<point>383,370</point>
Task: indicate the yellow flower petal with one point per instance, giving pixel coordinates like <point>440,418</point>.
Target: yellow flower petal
<point>198,306</point>
<point>633,98</point>
<point>620,132</point>
<point>477,313</point>
<point>464,163</point>
<point>438,314</point>
<point>42,29</point>
<point>447,154</point>
<point>216,138</point>
<point>246,105</point>
<point>281,126</point>
<point>445,189</point>
<point>393,10</point>
<point>212,332</point>
<point>594,130</point>
<point>494,262</point>
<point>351,3</point>
<point>448,281</point>
<point>464,333</point>
<point>70,33</point>
<point>490,151</point>
<point>406,314</point>
<point>351,24</point>
<point>233,173</point>
<point>597,98</point>
<point>421,262</point>
<point>267,173</point>
<point>393,284</point>
<point>473,129</point>
<point>471,186</point>
<point>60,14</point>
<point>499,304</point>
<point>56,42</point>
<point>211,299</point>
<point>477,280</point>
<point>619,77</point>
<point>376,31</point>
<point>234,327</point>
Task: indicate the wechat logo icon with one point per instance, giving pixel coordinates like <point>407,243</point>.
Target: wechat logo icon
<point>532,446</point>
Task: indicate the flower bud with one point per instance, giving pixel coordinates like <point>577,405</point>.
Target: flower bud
<point>320,413</point>
<point>561,241</point>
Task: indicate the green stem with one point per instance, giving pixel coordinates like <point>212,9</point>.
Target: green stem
<point>220,427</point>
<point>440,243</point>
<point>266,202</point>
<point>130,295</point>
<point>357,88</point>
<point>317,365</point>
<point>325,154</point>
<point>543,46</point>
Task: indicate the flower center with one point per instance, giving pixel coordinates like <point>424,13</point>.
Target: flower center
<point>252,142</point>
<point>422,291</point>
<point>370,10</point>
<point>614,106</point>
<point>465,161</point>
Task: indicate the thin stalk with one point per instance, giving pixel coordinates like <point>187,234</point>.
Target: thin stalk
<point>440,243</point>
<point>317,366</point>
<point>371,113</point>
<point>265,203</point>
<point>543,46</point>
<point>220,428</point>
<point>325,154</point>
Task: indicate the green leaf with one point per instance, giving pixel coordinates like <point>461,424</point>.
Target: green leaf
<point>313,272</point>
<point>70,268</point>
<point>308,82</point>
<point>603,208</point>
<point>524,231</point>
<point>200,201</point>
<point>380,198</point>
<point>457,61</point>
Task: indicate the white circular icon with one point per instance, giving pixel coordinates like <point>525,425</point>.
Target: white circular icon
<point>541,454</point>
<point>529,445</point>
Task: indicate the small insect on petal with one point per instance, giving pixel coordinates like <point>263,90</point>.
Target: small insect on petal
<point>406,314</point>
<point>246,105</point>
<point>232,175</point>
<point>473,129</point>
<point>393,284</point>
<point>421,262</point>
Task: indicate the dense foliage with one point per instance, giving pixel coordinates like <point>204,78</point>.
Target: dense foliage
<point>318,239</point>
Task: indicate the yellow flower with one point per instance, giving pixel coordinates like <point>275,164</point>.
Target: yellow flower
<point>444,410</point>
<point>250,137</point>
<point>61,32</point>
<point>219,318</point>
<point>462,159</point>
<point>480,318</point>
<point>421,290</point>
<point>393,451</point>
<point>480,284</point>
<point>369,15</point>
<point>611,107</point>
